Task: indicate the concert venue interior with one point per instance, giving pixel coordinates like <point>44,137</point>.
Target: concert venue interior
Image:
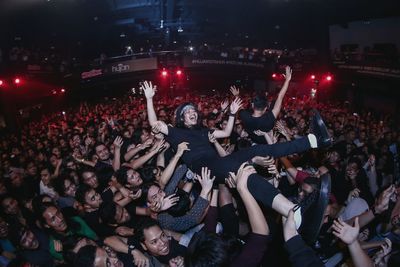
<point>199,133</point>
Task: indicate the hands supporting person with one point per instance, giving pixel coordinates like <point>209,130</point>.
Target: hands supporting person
<point>206,182</point>
<point>239,180</point>
<point>164,204</point>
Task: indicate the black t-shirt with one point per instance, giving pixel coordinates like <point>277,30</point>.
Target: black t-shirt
<point>264,123</point>
<point>93,220</point>
<point>103,171</point>
<point>40,256</point>
<point>197,138</point>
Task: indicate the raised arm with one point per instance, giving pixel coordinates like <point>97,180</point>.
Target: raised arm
<point>234,108</point>
<point>282,92</point>
<point>149,91</point>
<point>120,244</point>
<point>381,204</point>
<point>139,162</point>
<point>348,234</point>
<point>169,170</point>
<point>116,164</point>
<point>290,169</point>
<point>221,151</point>
<point>256,217</point>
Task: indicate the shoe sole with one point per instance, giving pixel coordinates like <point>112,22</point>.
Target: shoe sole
<point>319,126</point>
<point>313,217</point>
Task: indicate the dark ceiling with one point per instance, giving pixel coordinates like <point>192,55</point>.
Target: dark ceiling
<point>98,24</point>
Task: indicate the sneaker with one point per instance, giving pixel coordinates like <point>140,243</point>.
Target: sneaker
<point>314,215</point>
<point>318,128</point>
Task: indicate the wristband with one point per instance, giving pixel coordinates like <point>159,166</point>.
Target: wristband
<point>232,114</point>
<point>130,249</point>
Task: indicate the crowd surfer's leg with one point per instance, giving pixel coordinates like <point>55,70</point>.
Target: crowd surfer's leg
<point>268,195</point>
<point>276,150</point>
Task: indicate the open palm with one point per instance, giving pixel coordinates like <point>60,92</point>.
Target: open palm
<point>348,234</point>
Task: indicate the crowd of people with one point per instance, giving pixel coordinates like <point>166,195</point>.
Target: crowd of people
<point>222,180</point>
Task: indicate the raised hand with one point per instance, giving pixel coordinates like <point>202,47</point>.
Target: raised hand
<point>212,138</point>
<point>182,147</point>
<point>140,259</point>
<point>158,146</point>
<point>176,262</point>
<point>263,161</point>
<point>382,203</point>
<point>130,147</point>
<point>234,90</point>
<point>110,121</point>
<point>169,201</point>
<point>205,179</point>
<point>273,170</point>
<point>348,234</point>
<point>271,137</point>
<point>353,194</point>
<point>149,89</point>
<point>235,105</point>
<point>118,142</point>
<point>260,133</point>
<point>146,144</point>
<point>371,160</point>
<point>224,104</point>
<point>288,73</point>
<point>124,231</point>
<point>386,248</point>
<point>281,128</point>
<point>136,195</point>
<point>159,126</point>
<point>243,174</point>
<point>231,180</point>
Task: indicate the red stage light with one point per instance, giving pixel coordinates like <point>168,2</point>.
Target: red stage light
<point>312,77</point>
<point>179,72</point>
<point>62,90</point>
<point>164,73</point>
<point>274,75</point>
<point>329,78</point>
<point>1,82</point>
<point>17,80</point>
